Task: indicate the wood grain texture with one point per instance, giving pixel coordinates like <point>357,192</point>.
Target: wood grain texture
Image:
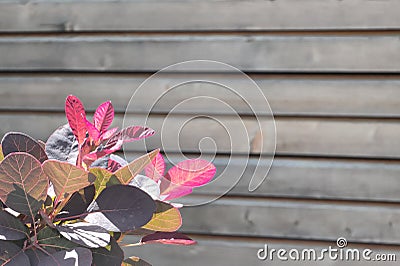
<point>61,16</point>
<point>230,251</point>
<point>258,53</point>
<point>364,138</point>
<point>300,96</point>
<point>308,178</point>
<point>293,219</point>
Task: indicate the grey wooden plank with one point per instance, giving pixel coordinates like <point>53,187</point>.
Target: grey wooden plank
<point>295,136</point>
<point>60,16</point>
<point>333,96</point>
<point>366,223</point>
<point>214,250</point>
<point>361,180</point>
<point>137,52</point>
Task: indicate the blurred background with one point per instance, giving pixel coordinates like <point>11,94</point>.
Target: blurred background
<point>329,69</point>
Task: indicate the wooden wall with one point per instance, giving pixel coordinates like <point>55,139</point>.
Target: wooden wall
<point>330,70</point>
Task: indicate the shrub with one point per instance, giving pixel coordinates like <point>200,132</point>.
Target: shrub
<point>71,199</point>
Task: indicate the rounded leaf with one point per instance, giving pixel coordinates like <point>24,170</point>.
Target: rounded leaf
<point>23,185</point>
<point>121,208</point>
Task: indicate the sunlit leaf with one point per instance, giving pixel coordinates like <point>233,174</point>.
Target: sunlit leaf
<point>102,178</point>
<point>1,154</point>
<point>77,256</point>
<point>115,162</point>
<point>51,238</point>
<point>186,175</point>
<point>111,255</point>
<point>146,184</point>
<point>109,133</point>
<point>156,169</point>
<point>103,116</point>
<point>135,261</point>
<point>12,255</point>
<point>165,219</point>
<point>128,172</point>
<point>131,133</point>
<point>20,142</point>
<point>76,117</point>
<point>94,133</point>
<point>66,178</point>
<point>85,234</point>
<point>171,238</point>
<point>23,185</point>
<point>12,228</point>
<point>62,145</point>
<point>121,208</point>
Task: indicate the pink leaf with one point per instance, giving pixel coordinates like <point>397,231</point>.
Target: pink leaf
<point>155,170</point>
<point>108,134</point>
<point>172,191</point>
<point>131,134</point>
<point>167,238</point>
<point>115,162</point>
<point>181,178</point>
<point>76,116</point>
<point>94,133</point>
<point>103,116</point>
<point>102,151</point>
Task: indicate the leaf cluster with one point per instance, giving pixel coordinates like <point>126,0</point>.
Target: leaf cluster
<point>70,201</point>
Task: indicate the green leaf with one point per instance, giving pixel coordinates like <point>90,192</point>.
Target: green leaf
<point>66,178</point>
<point>103,177</point>
<point>20,142</point>
<point>11,254</point>
<point>121,208</point>
<point>111,255</point>
<point>166,218</point>
<point>128,172</point>
<point>12,228</point>
<point>135,261</point>
<point>51,238</point>
<point>23,185</point>
<point>85,234</point>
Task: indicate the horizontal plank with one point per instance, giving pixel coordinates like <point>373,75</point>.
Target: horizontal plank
<point>222,251</point>
<point>229,134</point>
<point>333,96</point>
<point>303,178</point>
<point>61,16</point>
<point>293,219</point>
<point>138,52</point>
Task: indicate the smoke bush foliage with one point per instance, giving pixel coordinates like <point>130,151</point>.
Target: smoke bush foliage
<point>70,201</point>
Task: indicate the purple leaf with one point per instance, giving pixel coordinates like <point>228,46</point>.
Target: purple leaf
<point>172,238</point>
<point>76,116</point>
<point>78,256</point>
<point>103,116</point>
<point>20,142</point>
<point>121,208</point>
